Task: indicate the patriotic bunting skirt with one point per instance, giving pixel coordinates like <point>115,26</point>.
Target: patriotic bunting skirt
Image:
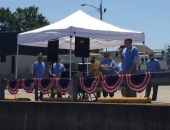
<point>137,82</point>
<point>89,85</point>
<point>28,84</point>
<point>110,84</point>
<point>45,85</point>
<point>63,85</point>
<point>13,86</point>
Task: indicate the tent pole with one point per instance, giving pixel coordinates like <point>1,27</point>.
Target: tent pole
<point>144,56</point>
<point>16,67</point>
<point>70,56</point>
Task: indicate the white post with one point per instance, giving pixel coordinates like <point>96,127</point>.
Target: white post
<point>16,67</point>
<point>70,56</point>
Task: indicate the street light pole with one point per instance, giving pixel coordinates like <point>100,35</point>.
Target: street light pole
<point>101,10</point>
<point>98,9</point>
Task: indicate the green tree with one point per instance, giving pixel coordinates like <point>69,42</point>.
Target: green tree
<point>96,51</point>
<point>22,19</point>
<point>6,20</point>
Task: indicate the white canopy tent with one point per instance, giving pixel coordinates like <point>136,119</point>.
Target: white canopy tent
<point>101,34</point>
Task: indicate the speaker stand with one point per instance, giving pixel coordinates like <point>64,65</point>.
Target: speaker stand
<point>52,89</point>
<point>83,75</point>
<point>83,65</point>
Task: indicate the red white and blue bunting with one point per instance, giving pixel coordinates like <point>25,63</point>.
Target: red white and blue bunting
<point>13,86</point>
<point>111,83</point>
<point>89,85</point>
<point>137,82</point>
<point>63,85</point>
<point>45,85</point>
<point>28,84</point>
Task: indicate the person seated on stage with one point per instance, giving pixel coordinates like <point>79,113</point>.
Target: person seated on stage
<point>57,69</point>
<point>94,67</point>
<point>119,68</point>
<point>109,71</point>
<point>38,72</point>
<point>95,70</point>
<point>153,65</point>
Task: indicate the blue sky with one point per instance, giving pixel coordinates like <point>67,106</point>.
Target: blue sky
<point>149,16</point>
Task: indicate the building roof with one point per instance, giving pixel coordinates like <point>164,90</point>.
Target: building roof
<point>141,48</point>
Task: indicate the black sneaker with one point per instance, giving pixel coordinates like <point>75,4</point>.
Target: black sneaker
<point>95,100</point>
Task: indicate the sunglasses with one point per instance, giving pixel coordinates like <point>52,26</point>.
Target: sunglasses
<point>150,55</point>
<point>105,56</point>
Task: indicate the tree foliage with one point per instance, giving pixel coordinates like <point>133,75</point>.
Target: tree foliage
<point>21,20</point>
<point>96,51</point>
<point>166,51</point>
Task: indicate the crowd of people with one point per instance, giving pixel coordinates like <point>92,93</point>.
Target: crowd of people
<point>128,55</point>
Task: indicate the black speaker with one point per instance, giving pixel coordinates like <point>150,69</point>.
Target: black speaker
<point>82,47</point>
<point>52,54</point>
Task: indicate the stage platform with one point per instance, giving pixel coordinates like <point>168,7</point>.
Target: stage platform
<point>16,99</point>
<point>124,100</point>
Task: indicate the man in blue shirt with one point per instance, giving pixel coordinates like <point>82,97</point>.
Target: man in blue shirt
<point>38,72</point>
<point>109,71</point>
<point>129,61</point>
<point>57,69</point>
<point>152,66</point>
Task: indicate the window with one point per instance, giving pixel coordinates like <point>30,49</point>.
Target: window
<point>142,61</point>
<point>3,58</point>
